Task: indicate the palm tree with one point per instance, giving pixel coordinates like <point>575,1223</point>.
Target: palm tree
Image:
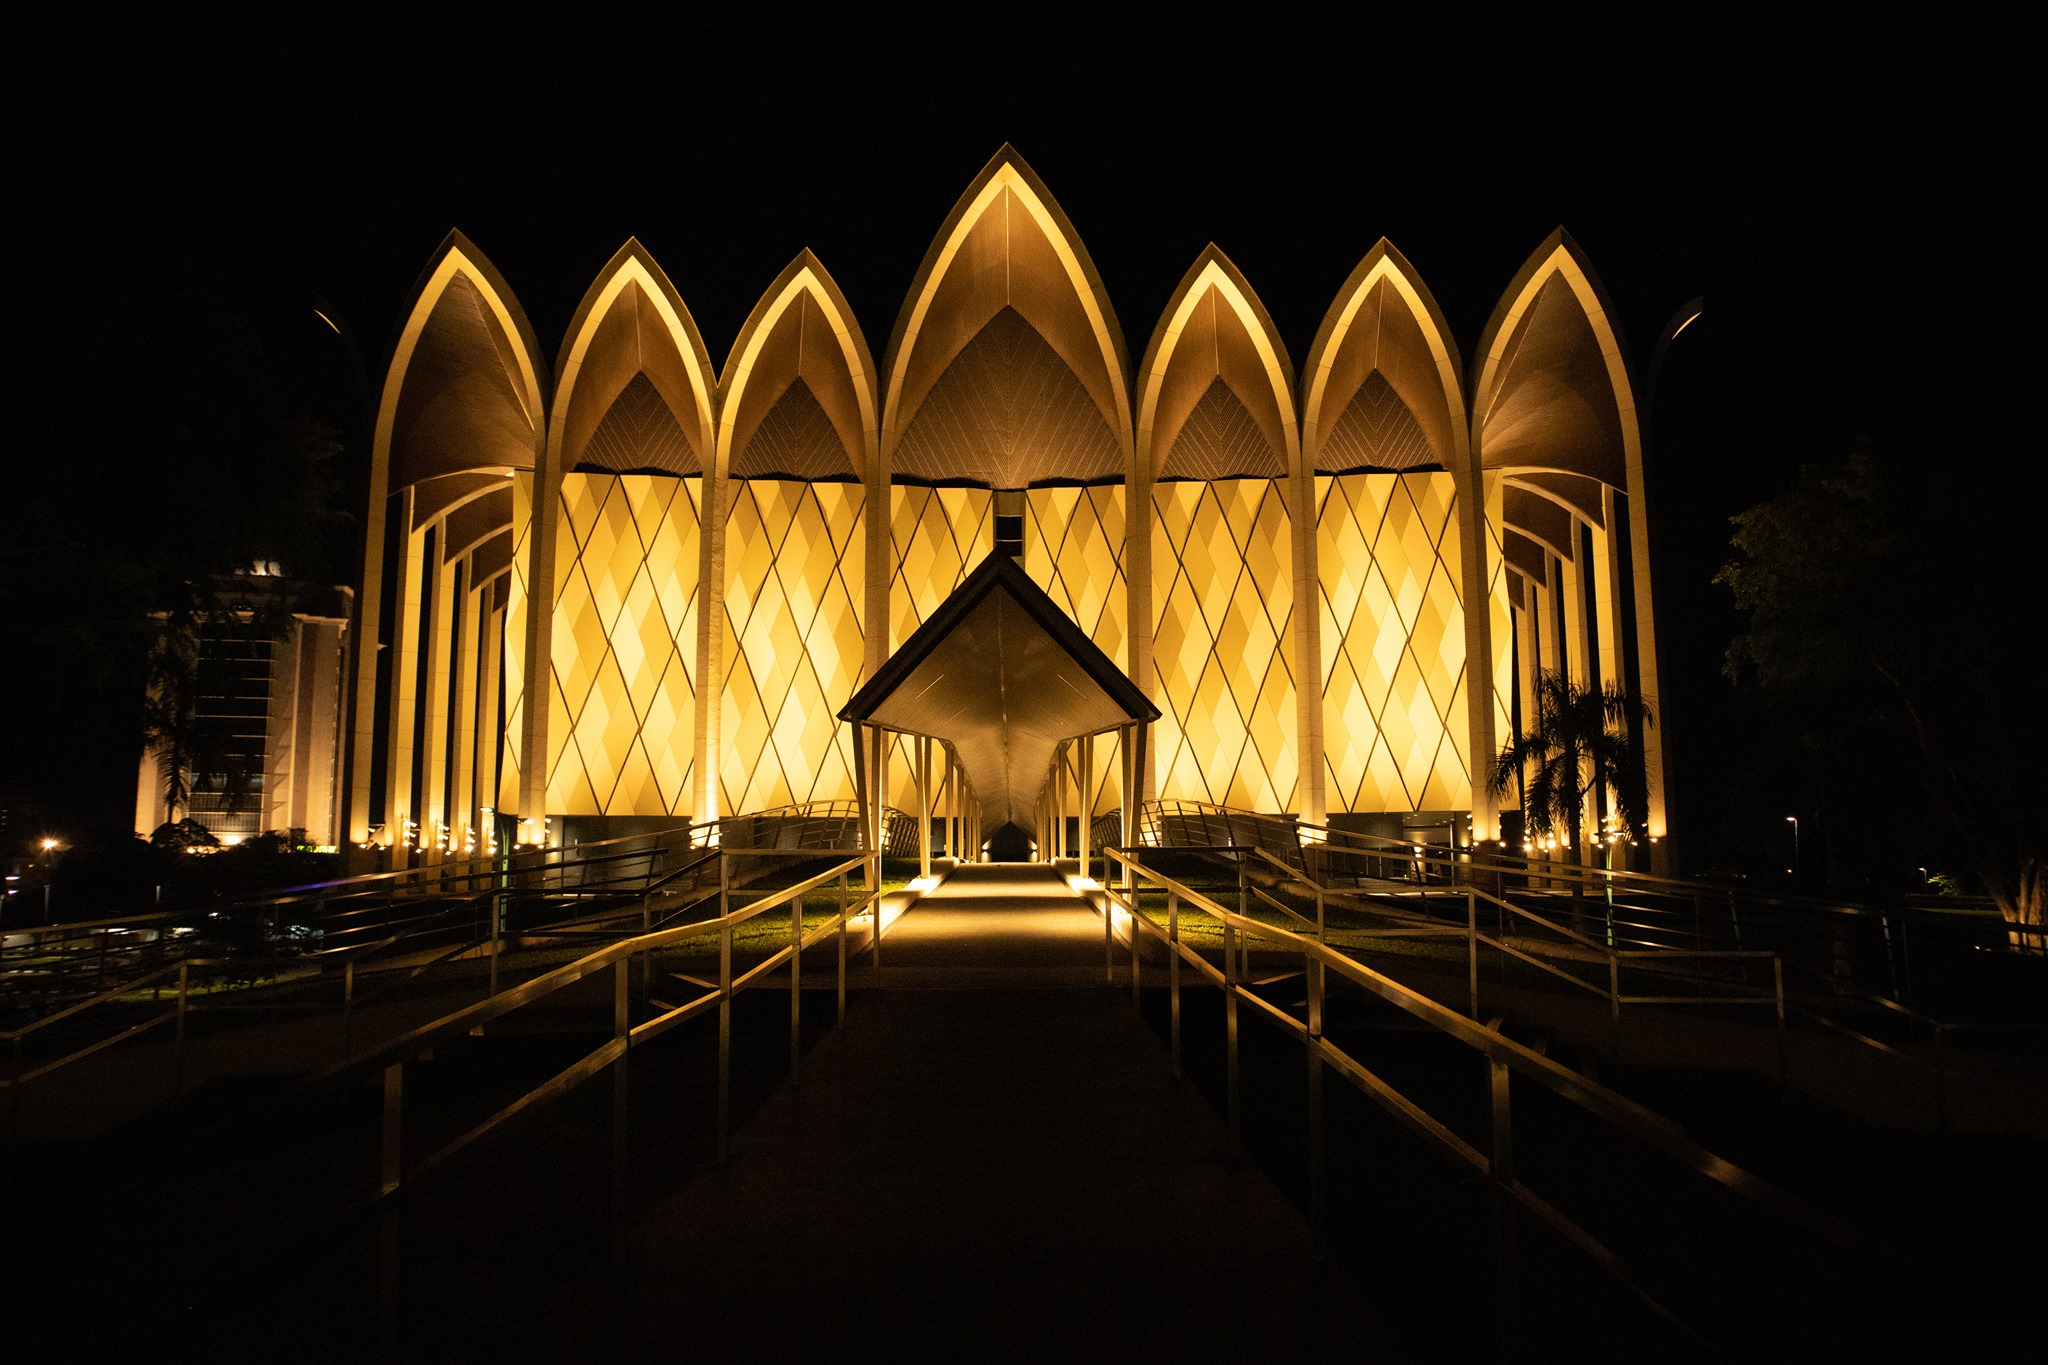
<point>1582,742</point>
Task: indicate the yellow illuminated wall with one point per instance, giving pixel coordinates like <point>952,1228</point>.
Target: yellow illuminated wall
<point>936,537</point>
<point>624,650</point>
<point>1223,620</point>
<point>794,649</point>
<point>1393,627</point>
<point>1073,548</point>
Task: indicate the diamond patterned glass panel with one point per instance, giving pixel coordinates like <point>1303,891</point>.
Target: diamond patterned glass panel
<point>1393,643</point>
<point>1222,643</point>
<point>623,645</point>
<point>936,537</point>
<point>1073,548</point>
<point>794,647</point>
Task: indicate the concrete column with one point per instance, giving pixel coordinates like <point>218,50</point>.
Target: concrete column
<point>490,721</point>
<point>405,643</point>
<point>462,802</point>
<point>439,643</point>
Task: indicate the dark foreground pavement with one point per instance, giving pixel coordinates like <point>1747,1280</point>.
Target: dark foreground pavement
<point>991,1161</point>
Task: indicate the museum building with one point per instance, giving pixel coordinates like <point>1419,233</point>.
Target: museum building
<point>635,589</point>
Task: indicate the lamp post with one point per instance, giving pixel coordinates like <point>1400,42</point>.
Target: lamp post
<point>1793,820</point>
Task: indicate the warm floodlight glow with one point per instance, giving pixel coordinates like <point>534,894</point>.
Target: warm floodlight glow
<point>49,845</point>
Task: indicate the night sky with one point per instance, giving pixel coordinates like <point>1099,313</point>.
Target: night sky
<point>1849,211</point>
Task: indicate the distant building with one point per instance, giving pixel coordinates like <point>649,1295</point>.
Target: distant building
<point>637,588</point>
<point>269,720</point>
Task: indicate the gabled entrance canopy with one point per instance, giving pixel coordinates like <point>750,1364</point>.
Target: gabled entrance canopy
<point>1003,676</point>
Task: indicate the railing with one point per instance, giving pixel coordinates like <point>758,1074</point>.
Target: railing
<point>1422,905</point>
<point>397,954</point>
<point>620,958</point>
<point>1415,916</point>
<point>1503,1057</point>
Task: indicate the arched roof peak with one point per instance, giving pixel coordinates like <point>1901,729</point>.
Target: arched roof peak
<point>1383,387</point>
<point>1007,247</point>
<point>800,378</point>
<point>1552,386</point>
<point>1215,352</point>
<point>463,388</point>
<point>635,389</point>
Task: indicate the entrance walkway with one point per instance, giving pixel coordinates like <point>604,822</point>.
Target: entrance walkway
<point>991,1161</point>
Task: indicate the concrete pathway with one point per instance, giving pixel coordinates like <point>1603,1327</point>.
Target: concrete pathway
<point>991,1161</point>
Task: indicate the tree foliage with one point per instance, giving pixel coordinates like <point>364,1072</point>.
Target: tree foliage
<point>1893,620</point>
<point>1582,742</point>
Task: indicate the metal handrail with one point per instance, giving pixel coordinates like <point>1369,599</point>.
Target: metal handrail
<point>1503,1055</point>
<point>350,960</point>
<point>392,1056</point>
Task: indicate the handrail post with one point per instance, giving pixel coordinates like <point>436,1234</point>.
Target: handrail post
<point>1614,995</point>
<point>391,1166</point>
<point>1108,930</point>
<point>1230,1036</point>
<point>1315,1107</point>
<point>1940,1079</point>
<point>1778,989</point>
<point>14,1092</point>
<point>796,985</point>
<point>178,1046</point>
<point>622,1032</point>
<point>1173,970</point>
<point>724,1028</point>
<point>1471,948</point>
<point>842,947</point>
<point>497,932</point>
<point>348,1008</point>
<point>1501,1167</point>
<point>1134,952</point>
<point>1244,909</point>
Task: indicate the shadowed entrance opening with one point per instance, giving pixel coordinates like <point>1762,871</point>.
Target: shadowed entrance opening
<point>1007,690</point>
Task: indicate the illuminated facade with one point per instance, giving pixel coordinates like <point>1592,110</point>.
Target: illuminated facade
<point>641,590</point>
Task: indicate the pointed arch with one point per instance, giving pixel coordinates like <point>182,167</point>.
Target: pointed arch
<point>789,597</point>
<point>463,389</point>
<point>1553,395</point>
<point>1215,362</point>
<point>632,341</point>
<point>1006,366</point>
<point>1401,560</point>
<point>605,720</point>
<point>1553,389</point>
<point>463,396</point>
<point>799,357</point>
<point>1216,497</point>
<point>1383,323</point>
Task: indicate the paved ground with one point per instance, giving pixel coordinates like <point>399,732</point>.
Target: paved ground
<point>991,1161</point>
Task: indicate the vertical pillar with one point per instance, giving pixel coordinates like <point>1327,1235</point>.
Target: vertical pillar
<point>1606,573</point>
<point>439,632</point>
<point>539,677</point>
<point>923,752</point>
<point>1478,499</point>
<point>405,640</point>
<point>363,741</point>
<point>1087,795</point>
<point>1308,634</point>
<point>462,802</point>
<point>490,724</point>
<point>1575,654</point>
